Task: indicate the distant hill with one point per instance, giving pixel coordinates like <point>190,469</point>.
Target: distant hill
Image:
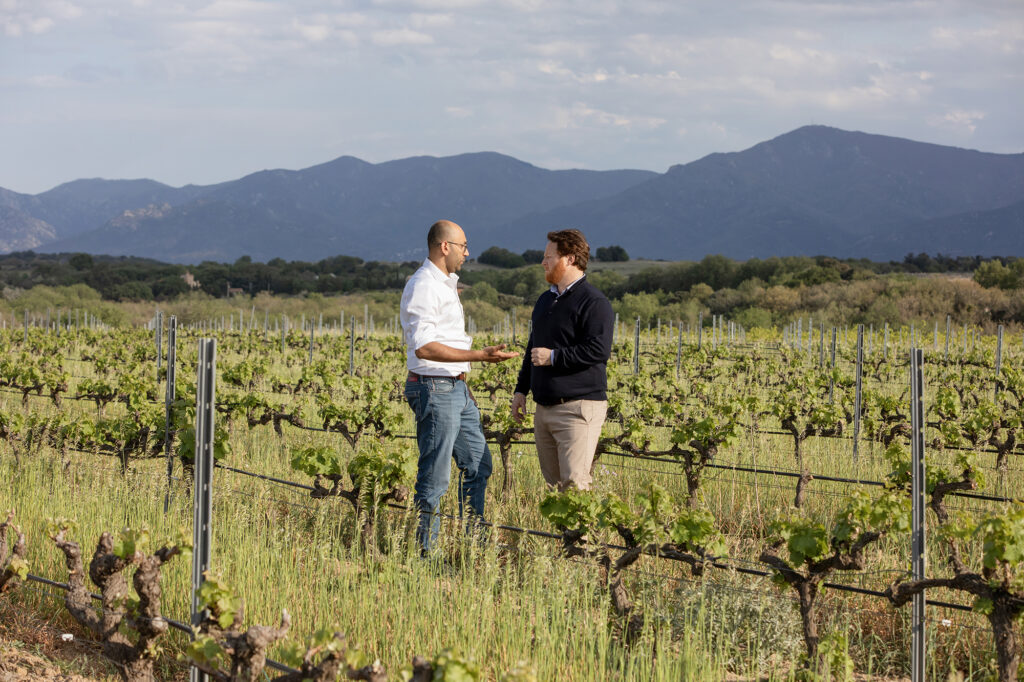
<point>815,190</point>
<point>82,205</point>
<point>185,234</point>
<point>376,211</point>
<point>21,232</point>
<point>998,231</point>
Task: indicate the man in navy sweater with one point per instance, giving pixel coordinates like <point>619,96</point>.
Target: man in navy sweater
<point>565,364</point>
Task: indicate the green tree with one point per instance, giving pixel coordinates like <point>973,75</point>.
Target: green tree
<point>481,291</point>
<point>994,274</point>
<point>533,256</point>
<point>632,306</point>
<point>501,258</point>
<point>80,261</point>
<point>612,254</point>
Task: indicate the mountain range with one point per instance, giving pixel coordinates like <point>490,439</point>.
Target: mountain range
<point>815,190</point>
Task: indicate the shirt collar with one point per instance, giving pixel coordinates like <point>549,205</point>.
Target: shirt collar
<point>435,272</point>
<point>554,287</point>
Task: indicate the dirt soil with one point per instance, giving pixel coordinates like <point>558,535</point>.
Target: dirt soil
<point>33,649</point>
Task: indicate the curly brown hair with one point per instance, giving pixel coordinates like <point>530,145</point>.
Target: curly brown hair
<point>572,243</point>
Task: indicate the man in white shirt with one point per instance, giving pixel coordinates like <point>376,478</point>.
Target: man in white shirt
<point>438,356</point>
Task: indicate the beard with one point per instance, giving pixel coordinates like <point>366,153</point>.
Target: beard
<point>555,274</point>
<point>454,262</point>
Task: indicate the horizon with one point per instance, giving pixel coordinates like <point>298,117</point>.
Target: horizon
<point>469,153</point>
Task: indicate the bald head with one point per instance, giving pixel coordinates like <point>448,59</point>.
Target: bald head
<point>442,231</point>
<point>448,246</point>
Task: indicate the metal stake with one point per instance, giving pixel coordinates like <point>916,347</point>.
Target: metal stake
<point>636,349</point>
<point>918,487</point>
<point>172,344</point>
<point>679,349</point>
<point>352,346</point>
<point>821,346</point>
<point>203,485</point>
<point>831,379</point>
<point>948,322</point>
<point>311,328</point>
<point>857,390</point>
<point>159,339</point>
<point>999,356</point>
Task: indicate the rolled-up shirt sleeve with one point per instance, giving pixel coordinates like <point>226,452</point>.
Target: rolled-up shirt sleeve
<point>422,313</point>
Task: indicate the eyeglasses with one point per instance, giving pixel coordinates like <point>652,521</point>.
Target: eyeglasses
<point>464,245</point>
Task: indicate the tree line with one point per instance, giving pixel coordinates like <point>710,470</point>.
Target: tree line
<point>128,278</point>
<point>756,292</point>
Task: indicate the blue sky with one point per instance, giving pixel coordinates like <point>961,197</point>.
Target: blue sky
<point>204,91</point>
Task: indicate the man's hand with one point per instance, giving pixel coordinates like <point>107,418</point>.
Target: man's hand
<point>519,407</point>
<point>540,356</point>
<point>496,354</point>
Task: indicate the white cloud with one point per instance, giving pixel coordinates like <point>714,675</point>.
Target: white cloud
<point>458,112</point>
<point>959,120</point>
<point>582,115</point>
<point>557,69</point>
<point>24,18</point>
<point>49,81</point>
<point>420,20</point>
<point>237,10</point>
<point>65,11</point>
<point>398,37</point>
<point>562,49</point>
<point>437,5</point>
<point>882,88</point>
<point>1006,37</point>
<point>314,33</point>
<point>806,59</point>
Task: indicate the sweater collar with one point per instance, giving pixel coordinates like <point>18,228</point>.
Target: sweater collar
<point>554,287</point>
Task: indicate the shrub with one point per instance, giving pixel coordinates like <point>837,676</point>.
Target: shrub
<point>501,258</point>
<point>612,254</point>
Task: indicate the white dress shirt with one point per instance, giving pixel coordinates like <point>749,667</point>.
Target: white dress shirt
<point>431,311</point>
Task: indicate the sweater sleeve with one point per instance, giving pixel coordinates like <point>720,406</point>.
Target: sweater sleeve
<point>523,384</point>
<point>595,338</point>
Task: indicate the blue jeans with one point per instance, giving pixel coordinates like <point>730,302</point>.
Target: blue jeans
<point>447,425</point>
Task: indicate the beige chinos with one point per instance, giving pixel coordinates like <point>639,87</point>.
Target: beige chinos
<point>566,437</point>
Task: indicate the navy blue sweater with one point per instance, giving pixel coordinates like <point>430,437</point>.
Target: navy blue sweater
<point>578,326</point>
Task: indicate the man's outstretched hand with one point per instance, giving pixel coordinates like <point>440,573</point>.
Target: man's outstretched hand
<point>496,354</point>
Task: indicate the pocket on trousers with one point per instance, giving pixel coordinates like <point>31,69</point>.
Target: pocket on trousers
<point>412,396</point>
<point>593,410</point>
<point>441,385</point>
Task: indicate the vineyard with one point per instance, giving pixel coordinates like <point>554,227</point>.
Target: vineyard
<point>751,511</point>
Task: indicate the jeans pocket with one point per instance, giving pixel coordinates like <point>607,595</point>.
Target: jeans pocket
<point>440,385</point>
<point>412,396</point>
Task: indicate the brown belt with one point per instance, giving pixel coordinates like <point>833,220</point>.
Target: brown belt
<point>413,376</point>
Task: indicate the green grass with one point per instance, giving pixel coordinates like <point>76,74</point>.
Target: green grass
<point>510,600</point>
